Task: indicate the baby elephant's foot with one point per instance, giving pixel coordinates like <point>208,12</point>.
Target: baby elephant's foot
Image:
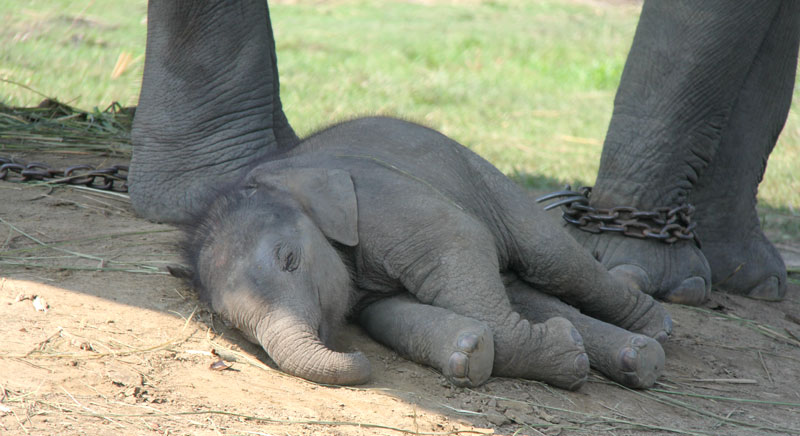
<point>469,360</point>
<point>462,348</point>
<point>554,354</point>
<point>566,344</point>
<point>636,363</point>
<point>631,359</point>
<point>649,318</point>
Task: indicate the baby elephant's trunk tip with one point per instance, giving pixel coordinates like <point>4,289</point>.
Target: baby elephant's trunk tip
<point>304,355</point>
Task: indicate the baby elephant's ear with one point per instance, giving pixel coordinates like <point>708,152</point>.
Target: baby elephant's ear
<point>328,197</point>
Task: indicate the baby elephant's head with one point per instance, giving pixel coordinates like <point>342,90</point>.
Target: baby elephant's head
<point>262,256</point>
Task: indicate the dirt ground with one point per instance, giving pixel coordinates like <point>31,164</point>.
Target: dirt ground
<point>96,339</point>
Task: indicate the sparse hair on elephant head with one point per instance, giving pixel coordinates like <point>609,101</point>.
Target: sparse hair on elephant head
<point>262,255</point>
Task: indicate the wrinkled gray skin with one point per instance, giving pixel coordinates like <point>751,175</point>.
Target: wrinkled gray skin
<point>210,112</point>
<point>703,97</point>
<point>366,214</point>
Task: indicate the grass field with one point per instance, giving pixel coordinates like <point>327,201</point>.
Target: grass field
<point>528,85</point>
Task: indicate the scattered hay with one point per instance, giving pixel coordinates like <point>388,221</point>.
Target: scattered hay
<point>766,330</point>
<point>24,257</point>
<point>57,127</point>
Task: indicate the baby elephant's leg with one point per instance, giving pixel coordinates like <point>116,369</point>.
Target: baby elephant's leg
<point>461,348</point>
<point>630,359</point>
<point>546,256</point>
<point>462,274</point>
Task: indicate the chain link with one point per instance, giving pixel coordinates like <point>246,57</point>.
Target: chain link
<point>113,178</point>
<point>666,224</point>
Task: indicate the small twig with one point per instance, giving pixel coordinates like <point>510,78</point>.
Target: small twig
<point>41,345</point>
<point>90,410</point>
<point>794,336</point>
<point>22,360</point>
<point>90,239</point>
<point>80,268</point>
<point>100,191</point>
<point>22,426</point>
<point>25,87</point>
<point>761,328</point>
<point>18,230</point>
<point>764,365</point>
<point>721,398</point>
<point>106,204</point>
<point>776,335</point>
<point>736,381</point>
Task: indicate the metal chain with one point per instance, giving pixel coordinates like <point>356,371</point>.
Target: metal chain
<point>666,224</point>
<point>113,178</point>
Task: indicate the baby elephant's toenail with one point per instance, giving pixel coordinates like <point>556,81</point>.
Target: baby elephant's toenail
<point>576,336</point>
<point>459,364</point>
<point>663,335</point>
<point>639,341</point>
<point>582,363</point>
<point>628,359</point>
<point>581,370</point>
<point>468,342</point>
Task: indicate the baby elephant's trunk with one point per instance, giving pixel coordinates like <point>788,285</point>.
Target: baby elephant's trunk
<point>297,350</point>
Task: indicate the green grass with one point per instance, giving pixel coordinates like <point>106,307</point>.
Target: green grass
<point>528,85</point>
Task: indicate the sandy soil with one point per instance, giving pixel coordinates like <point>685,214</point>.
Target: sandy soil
<point>97,339</point>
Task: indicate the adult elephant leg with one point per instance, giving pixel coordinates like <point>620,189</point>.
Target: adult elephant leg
<point>686,68</point>
<point>742,260</point>
<point>630,359</point>
<point>461,348</point>
<point>209,104</point>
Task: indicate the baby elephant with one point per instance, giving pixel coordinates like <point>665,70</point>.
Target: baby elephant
<point>434,251</point>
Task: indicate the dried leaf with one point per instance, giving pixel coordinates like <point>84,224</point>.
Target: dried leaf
<point>219,365</point>
<point>39,304</point>
<point>124,60</point>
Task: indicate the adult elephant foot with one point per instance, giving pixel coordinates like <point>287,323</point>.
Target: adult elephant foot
<point>461,348</point>
<point>696,115</point>
<point>742,260</point>
<point>677,273</point>
<point>630,359</point>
